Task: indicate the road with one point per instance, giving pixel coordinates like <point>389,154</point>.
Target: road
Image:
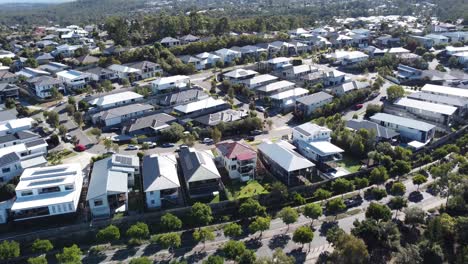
<point>279,235</point>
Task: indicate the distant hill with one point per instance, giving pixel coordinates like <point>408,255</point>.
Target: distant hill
<point>34,1</point>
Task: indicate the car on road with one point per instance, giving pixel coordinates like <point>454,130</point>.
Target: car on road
<point>256,132</point>
<point>383,98</point>
<point>132,147</point>
<point>80,148</point>
<point>167,145</point>
<point>151,144</point>
<point>208,141</point>
<point>358,106</point>
<point>260,108</point>
<point>250,138</point>
<point>67,137</point>
<point>373,95</point>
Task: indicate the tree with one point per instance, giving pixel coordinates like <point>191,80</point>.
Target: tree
<point>140,260</point>
<point>288,215</point>
<point>279,257</point>
<point>251,207</point>
<point>203,235</point>
<point>232,230</point>
<point>170,222</point>
<point>378,193</point>
<point>278,189</point>
<point>167,240</point>
<point>78,117</point>
<point>322,194</point>
<point>9,249</point>
<point>70,109</point>
<point>70,255</point>
<point>361,183</point>
<point>398,188</point>
<point>397,203</point>
<point>247,257</point>
<point>41,246</point>
<point>394,92</point>
<point>71,100</point>
<point>260,224</point>
<point>349,249</point>
<point>108,234</point>
<point>372,109</point>
<point>108,144</point>
<point>37,260</point>
<point>379,175</point>
<point>201,214</point>
<point>419,179</point>
<point>53,119</point>
<point>414,215</point>
<point>400,167</point>
<point>55,94</point>
<point>62,130</point>
<point>378,212</point>
<point>303,235</point>
<point>341,186</point>
<point>31,63</point>
<point>312,211</point>
<point>139,230</point>
<point>216,135</point>
<point>232,249</point>
<point>408,254</point>
<point>335,206</point>
<point>213,259</point>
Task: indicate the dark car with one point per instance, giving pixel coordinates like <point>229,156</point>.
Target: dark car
<point>358,106</point>
<point>167,145</point>
<point>256,132</point>
<point>250,138</point>
<point>383,98</point>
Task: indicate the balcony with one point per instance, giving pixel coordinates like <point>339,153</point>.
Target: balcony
<point>242,163</point>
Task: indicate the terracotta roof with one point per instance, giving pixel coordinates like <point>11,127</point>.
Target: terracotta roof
<point>231,149</point>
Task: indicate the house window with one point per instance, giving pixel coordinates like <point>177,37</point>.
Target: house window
<point>6,170</point>
<point>233,167</point>
<point>151,192</point>
<point>152,201</point>
<point>53,209</point>
<point>69,187</point>
<point>64,206</point>
<point>70,208</point>
<point>59,209</point>
<point>26,193</point>
<point>98,202</point>
<point>49,190</point>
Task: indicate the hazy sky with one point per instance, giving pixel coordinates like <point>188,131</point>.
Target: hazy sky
<point>33,1</point>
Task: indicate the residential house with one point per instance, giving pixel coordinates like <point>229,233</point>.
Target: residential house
<point>228,55</point>
<point>16,138</point>
<point>108,187</point>
<point>296,72</point>
<point>285,163</point>
<point>169,42</point>
<point>274,88</point>
<point>146,69</point>
<point>462,57</point>
<point>48,191</point>
<point>87,60</point>
<point>349,57</point>
<point>116,100</point>
<point>164,84</point>
<point>187,39</point>
<point>8,90</point>
<point>308,104</point>
<point>458,36</point>
<point>208,59</point>
<point>238,76</point>
<point>387,41</point>
<point>332,78</point>
<point>286,100</point>
<point>30,72</point>
<point>225,116</point>
<point>160,180</point>
<point>459,102</point>
<point>117,116</point>
<point>197,63</point>
<point>445,91</point>
<point>450,50</point>
<point>439,113</point>
<point>238,158</point>
<point>382,134</point>
<point>443,27</point>
<point>8,77</point>
<point>409,129</point>
<point>201,107</point>
<point>15,125</point>
<point>65,50</point>
<point>277,64</point>
<point>312,78</point>
<point>124,72</point>
<point>6,54</point>
<point>44,58</point>
<point>99,74</point>
<point>437,39</point>
<point>182,97</point>
<point>73,79</point>
<point>53,67</point>
<point>424,41</point>
<point>406,73</point>
<point>344,88</point>
<point>149,125</point>
<point>42,85</point>
<point>201,176</point>
<point>260,80</point>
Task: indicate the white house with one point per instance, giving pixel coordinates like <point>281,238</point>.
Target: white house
<point>160,180</point>
<point>123,72</point>
<point>169,42</point>
<point>30,72</point>
<point>116,116</point>
<point>239,75</point>
<point>146,69</point>
<point>409,129</point>
<point>435,112</point>
<point>73,79</point>
<point>48,191</point>
<point>208,59</point>
<point>6,54</point>
<point>238,158</point>
<point>42,85</point>
<point>287,99</point>
<point>108,186</point>
<point>308,104</point>
<point>15,125</point>
<point>437,39</point>
<point>275,87</point>
<point>116,100</point>
<point>171,82</point>
<point>349,57</point>
<point>228,55</point>
<point>297,72</point>
<point>207,104</point>
<point>259,80</point>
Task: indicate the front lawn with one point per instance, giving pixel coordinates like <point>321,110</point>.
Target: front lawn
<point>239,190</point>
<point>349,163</point>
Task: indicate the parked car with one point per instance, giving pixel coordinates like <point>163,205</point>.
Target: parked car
<point>67,137</point>
<point>208,141</point>
<point>256,132</point>
<point>167,145</point>
<point>151,144</point>
<point>383,98</point>
<point>358,106</point>
<point>373,95</point>
<point>260,108</point>
<point>250,138</point>
<point>132,147</point>
<point>80,148</point>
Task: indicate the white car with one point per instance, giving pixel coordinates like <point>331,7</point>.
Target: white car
<point>208,141</point>
<point>68,137</point>
<point>132,147</point>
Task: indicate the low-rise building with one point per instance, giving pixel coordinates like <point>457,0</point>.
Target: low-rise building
<point>160,180</point>
<point>149,125</point>
<point>146,69</point>
<point>99,74</point>
<point>308,104</point>
<point>7,77</point>
<point>164,84</point>
<point>124,72</point>
<point>285,163</point>
<point>201,176</point>
<point>349,57</point>
<point>43,85</point>
<point>347,87</point>
<point>182,97</point>
<point>8,90</point>
<point>297,72</point>
<point>116,116</point>
<point>238,158</point>
<point>260,80</point>
<point>334,77</point>
<point>116,100</point>
<point>382,134</point>
<point>458,102</point>
<point>228,55</point>
<point>274,88</point>
<point>169,42</point>
<point>439,113</point>
<point>30,72</point>
<point>73,79</point>
<point>409,129</point>
<point>225,116</point>
<point>48,191</point>
<point>238,76</point>
<point>15,125</point>
<point>287,99</point>
<point>204,106</point>
<point>406,73</point>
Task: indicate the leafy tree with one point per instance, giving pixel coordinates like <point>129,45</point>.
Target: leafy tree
<point>140,260</point>
<point>378,212</point>
<point>260,224</point>
<point>341,186</point>
<point>400,167</point>
<point>173,133</point>
<point>108,234</point>
<point>53,119</point>
<point>108,144</point>
<point>288,215</point>
<point>278,189</point>
<point>203,235</point>
<point>170,222</point>
<point>83,105</point>
<point>379,175</point>
<point>71,100</point>
<point>312,211</point>
<point>372,109</point>
<point>70,255</point>
<point>335,206</point>
<point>441,228</point>
<point>139,230</point>
<point>37,260</point>
<point>419,179</point>
<point>414,215</point>
<point>167,240</point>
<point>232,249</point>
<point>394,92</point>
<point>322,194</point>
<point>408,255</point>
<point>55,94</point>
<point>379,236</point>
<point>62,130</point>
<point>41,246</point>
<point>216,135</point>
<point>398,188</point>
<point>303,235</point>
<point>9,249</point>
<point>213,259</point>
<point>78,117</point>
<point>201,214</point>
<point>349,249</point>
<point>278,257</point>
<point>251,207</point>
<point>247,257</point>
<point>232,230</point>
<point>70,109</point>
<point>378,193</point>
<point>397,203</point>
<point>361,183</point>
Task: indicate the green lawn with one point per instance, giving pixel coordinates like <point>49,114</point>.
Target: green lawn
<point>252,188</point>
<point>349,163</point>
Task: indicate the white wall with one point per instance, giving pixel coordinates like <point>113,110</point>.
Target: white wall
<point>153,199</point>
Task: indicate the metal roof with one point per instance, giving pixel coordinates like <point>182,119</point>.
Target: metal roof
<point>160,173</point>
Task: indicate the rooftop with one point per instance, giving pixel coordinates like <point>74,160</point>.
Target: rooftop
<point>36,178</point>
<point>276,86</point>
<point>199,105</point>
<point>160,173</point>
<point>234,149</point>
<point>197,165</point>
<point>282,153</point>
<point>402,121</point>
<point>314,98</point>
<point>115,98</point>
<point>290,93</point>
<point>449,91</point>
<point>426,106</point>
<point>239,73</point>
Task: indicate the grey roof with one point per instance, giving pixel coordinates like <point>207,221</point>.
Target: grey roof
<point>381,132</point>
<point>99,71</point>
<point>20,135</point>
<point>282,154</point>
<point>190,37</point>
<point>45,56</point>
<point>141,65</point>
<point>124,110</point>
<point>34,143</point>
<point>104,180</point>
<point>403,121</point>
<point>44,80</point>
<point>159,173</point>
<point>189,59</point>
<point>168,39</point>
<point>9,158</point>
<point>183,96</point>
<point>6,74</point>
<point>8,86</point>
<point>153,121</point>
<point>87,59</point>
<point>447,100</point>
<point>314,98</point>
<point>228,115</point>
<point>10,114</point>
<point>197,166</point>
